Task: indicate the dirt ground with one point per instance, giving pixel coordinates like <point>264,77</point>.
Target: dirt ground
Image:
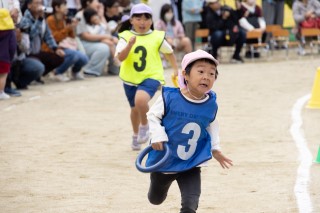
<point>65,147</point>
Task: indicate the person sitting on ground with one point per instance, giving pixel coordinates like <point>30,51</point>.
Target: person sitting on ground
<point>95,27</point>
<point>63,32</point>
<point>174,30</point>
<point>222,22</point>
<point>34,24</point>
<point>97,51</point>
<point>252,20</point>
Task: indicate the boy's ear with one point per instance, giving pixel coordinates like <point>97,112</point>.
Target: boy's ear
<point>183,72</point>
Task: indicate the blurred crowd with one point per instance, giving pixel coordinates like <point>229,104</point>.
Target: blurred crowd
<point>75,39</point>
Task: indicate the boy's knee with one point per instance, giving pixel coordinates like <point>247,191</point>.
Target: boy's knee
<point>156,200</point>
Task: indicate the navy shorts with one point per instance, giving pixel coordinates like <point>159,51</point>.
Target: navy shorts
<point>150,86</point>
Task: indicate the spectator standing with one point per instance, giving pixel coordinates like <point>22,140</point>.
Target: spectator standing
<point>191,15</point>
<point>8,47</point>
<point>13,6</point>
<point>174,30</point>
<point>273,11</point>
<point>97,51</point>
<point>63,32</point>
<point>222,22</point>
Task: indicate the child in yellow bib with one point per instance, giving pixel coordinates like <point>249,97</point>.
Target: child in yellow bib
<point>141,70</point>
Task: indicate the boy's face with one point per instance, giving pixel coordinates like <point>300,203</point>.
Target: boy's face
<point>201,77</point>
<point>141,24</point>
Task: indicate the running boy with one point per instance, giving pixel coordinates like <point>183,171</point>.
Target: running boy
<point>185,118</point>
<point>141,69</point>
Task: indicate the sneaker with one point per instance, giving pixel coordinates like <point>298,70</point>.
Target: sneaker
<point>4,96</point>
<point>62,78</point>
<point>77,76</point>
<point>237,60</point>
<point>143,134</point>
<point>12,92</point>
<point>135,145</point>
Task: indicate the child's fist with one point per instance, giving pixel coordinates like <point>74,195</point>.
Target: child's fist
<point>174,79</point>
<point>132,40</point>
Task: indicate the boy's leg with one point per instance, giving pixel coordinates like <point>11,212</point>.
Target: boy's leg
<point>159,186</point>
<point>190,187</point>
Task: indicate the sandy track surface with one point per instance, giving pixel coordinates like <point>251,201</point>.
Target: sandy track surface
<point>65,147</point>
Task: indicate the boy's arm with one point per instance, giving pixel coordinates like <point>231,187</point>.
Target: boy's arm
<point>157,131</point>
<point>213,130</point>
<point>167,50</point>
<point>123,54</point>
<point>172,60</point>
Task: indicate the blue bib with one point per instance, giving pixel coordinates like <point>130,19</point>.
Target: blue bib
<point>185,123</point>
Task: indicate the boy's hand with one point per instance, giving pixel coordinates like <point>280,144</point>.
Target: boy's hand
<point>157,146</point>
<point>224,161</point>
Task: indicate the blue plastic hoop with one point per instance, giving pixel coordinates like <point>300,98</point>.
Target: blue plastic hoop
<point>156,166</point>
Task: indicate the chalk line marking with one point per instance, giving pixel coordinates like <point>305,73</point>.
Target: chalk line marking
<point>305,157</point>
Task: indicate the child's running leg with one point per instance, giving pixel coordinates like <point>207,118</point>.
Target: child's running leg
<point>135,121</point>
<point>134,115</point>
<point>145,92</point>
<point>159,186</point>
<point>190,187</point>
<point>141,103</point>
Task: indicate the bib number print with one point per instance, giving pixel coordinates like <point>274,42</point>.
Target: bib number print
<point>192,142</point>
<point>141,65</point>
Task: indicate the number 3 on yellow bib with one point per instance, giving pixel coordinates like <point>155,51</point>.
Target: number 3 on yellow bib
<point>141,65</point>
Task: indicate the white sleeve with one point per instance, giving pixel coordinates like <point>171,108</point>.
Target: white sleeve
<point>155,114</point>
<point>243,22</point>
<point>120,46</point>
<point>213,130</point>
<point>262,23</point>
<point>166,48</point>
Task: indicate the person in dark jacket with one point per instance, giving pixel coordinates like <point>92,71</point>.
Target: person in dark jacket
<point>222,21</point>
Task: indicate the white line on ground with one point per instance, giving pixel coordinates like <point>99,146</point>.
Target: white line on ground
<point>305,157</point>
